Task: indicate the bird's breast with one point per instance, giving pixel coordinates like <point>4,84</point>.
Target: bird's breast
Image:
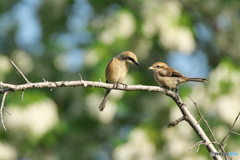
<point>116,71</point>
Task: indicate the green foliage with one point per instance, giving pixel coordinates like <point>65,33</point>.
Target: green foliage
<point>57,40</point>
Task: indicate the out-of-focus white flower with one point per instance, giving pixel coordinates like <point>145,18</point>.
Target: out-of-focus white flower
<point>7,151</point>
<point>37,118</point>
<point>138,147</point>
<point>123,26</point>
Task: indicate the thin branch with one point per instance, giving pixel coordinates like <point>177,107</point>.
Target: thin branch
<point>19,71</point>
<point>197,144</point>
<point>231,128</point>
<point>203,119</point>
<point>80,77</point>
<point>204,114</point>
<point>1,110</point>
<point>235,133</point>
<point>7,111</point>
<point>193,123</point>
<point>176,122</point>
<point>22,95</point>
<point>215,140</point>
<point>223,147</point>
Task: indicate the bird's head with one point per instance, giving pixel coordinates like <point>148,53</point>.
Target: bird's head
<point>129,57</point>
<point>158,66</point>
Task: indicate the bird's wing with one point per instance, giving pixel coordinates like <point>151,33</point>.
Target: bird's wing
<point>108,70</point>
<point>170,72</point>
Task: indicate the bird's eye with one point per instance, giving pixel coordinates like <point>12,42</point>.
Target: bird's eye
<point>158,66</point>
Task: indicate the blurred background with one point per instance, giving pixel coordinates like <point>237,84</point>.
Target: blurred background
<point>58,39</point>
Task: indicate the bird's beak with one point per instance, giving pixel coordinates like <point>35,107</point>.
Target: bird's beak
<point>137,63</point>
<point>151,68</point>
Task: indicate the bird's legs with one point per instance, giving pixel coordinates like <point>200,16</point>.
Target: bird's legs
<point>125,85</point>
<point>176,90</point>
<point>115,85</point>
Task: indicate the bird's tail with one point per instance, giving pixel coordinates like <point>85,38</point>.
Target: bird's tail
<point>197,79</point>
<point>104,101</point>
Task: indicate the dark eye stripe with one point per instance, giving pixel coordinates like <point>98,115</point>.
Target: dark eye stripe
<point>158,66</point>
<point>131,59</point>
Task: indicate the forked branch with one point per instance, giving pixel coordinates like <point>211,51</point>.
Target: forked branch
<point>187,116</point>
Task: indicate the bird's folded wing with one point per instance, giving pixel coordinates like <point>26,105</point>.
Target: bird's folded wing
<point>170,72</point>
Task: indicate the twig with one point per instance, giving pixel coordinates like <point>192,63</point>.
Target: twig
<point>80,77</point>
<point>204,114</point>
<point>235,133</point>
<point>197,144</point>
<point>174,123</point>
<point>19,71</point>
<point>230,128</point>
<point>1,110</point>
<point>7,111</point>
<point>223,147</point>
<point>22,95</point>
<point>215,140</point>
<point>203,119</point>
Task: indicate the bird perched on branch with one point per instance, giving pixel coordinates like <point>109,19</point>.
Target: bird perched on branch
<point>169,77</point>
<point>116,71</point>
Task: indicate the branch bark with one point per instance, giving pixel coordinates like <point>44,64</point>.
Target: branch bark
<point>187,116</point>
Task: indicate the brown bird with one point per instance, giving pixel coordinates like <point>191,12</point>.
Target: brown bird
<point>169,77</point>
<point>116,71</point>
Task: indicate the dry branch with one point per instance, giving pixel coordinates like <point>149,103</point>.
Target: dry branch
<point>231,128</point>
<point>209,128</point>
<point>174,123</point>
<point>187,116</point>
<point>2,107</point>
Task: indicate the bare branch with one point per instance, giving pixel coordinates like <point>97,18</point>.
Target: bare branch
<point>197,144</point>
<point>19,71</point>
<point>174,123</point>
<point>193,123</point>
<point>231,128</point>
<point>203,119</point>
<point>7,111</point>
<point>215,140</point>
<point>187,116</point>
<point>235,133</point>
<point>1,110</point>
<point>80,77</point>
<point>50,85</point>
<point>204,114</point>
<point>22,95</point>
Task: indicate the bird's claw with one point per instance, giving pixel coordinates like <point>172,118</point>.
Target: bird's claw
<point>115,85</point>
<point>178,98</point>
<point>125,85</point>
